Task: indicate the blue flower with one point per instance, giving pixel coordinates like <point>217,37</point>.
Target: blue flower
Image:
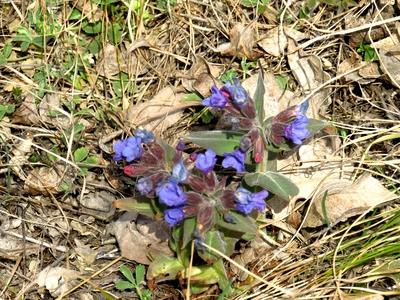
<point>174,216</point>
<point>217,99</point>
<point>133,149</point>
<point>170,193</point>
<point>146,135</point>
<point>144,185</point>
<point>237,93</point>
<point>297,130</point>
<point>206,162</point>
<point>234,160</point>
<point>179,172</point>
<point>246,201</point>
<point>129,149</point>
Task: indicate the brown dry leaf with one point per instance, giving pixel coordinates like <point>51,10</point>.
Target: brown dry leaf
<point>346,199</point>
<point>30,65</point>
<point>309,73</point>
<point>27,112</point>
<point>242,42</point>
<point>275,41</point>
<point>44,180</point>
<point>201,77</point>
<point>158,114</point>
<point>98,203</point>
<point>390,62</point>
<point>365,75</point>
<point>343,296</point>
<point>20,154</point>
<point>113,60</point>
<point>57,280</point>
<point>275,99</point>
<point>51,104</point>
<point>141,238</point>
<point>89,10</point>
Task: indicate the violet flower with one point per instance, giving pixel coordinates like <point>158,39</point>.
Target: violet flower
<point>174,216</point>
<point>234,160</point>
<point>170,193</point>
<point>144,185</point>
<point>237,92</point>
<point>179,172</point>
<point>146,135</point>
<point>128,149</point>
<point>217,99</point>
<point>246,201</point>
<point>205,162</point>
<point>297,130</point>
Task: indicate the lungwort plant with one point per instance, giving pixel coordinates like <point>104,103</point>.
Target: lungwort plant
<point>211,199</point>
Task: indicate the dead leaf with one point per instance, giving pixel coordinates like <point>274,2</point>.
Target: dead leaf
<point>30,65</point>
<point>309,73</point>
<point>161,112</point>
<point>275,41</point>
<point>390,62</point>
<point>57,280</point>
<point>51,105</point>
<point>141,238</point>
<point>346,199</point>
<point>86,255</point>
<point>242,42</point>
<point>358,296</point>
<point>89,9</point>
<point>275,99</point>
<point>365,75</point>
<point>27,112</point>
<point>44,180</point>
<point>113,60</point>
<point>98,203</point>
<point>201,77</point>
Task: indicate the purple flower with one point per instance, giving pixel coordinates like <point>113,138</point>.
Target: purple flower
<point>179,172</point>
<point>237,93</point>
<point>170,193</point>
<point>297,130</point>
<point>174,216</point>
<point>246,201</point>
<point>129,149</point>
<point>144,185</point>
<point>146,135</point>
<point>234,160</point>
<point>217,99</point>
<point>206,162</point>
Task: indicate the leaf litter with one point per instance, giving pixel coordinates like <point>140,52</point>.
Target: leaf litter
<point>322,165</point>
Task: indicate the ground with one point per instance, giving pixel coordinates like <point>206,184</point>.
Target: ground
<point>77,75</point>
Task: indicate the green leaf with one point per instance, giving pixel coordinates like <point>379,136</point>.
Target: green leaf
<point>259,96</point>
<point>7,50</point>
<point>94,46</point>
<point>192,97</point>
<point>163,266</point>
<point>214,239</point>
<point>220,141</point>
<point>91,160</point>
<point>91,28</point>
<point>80,154</point>
<point>106,295</point>
<point>239,226</point>
<point>189,226</point>
<point>223,281</point>
<point>114,33</point>
<point>123,285</point>
<point>229,75</point>
<point>75,14</point>
<point>315,126</point>
<point>131,204</point>
<point>139,274</point>
<point>282,82</point>
<point>127,272</point>
<point>275,183</point>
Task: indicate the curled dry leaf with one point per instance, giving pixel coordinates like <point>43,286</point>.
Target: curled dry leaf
<point>309,73</point>
<point>30,65</point>
<point>346,199</point>
<point>275,40</point>
<point>201,77</point>
<point>27,112</point>
<point>98,203</point>
<point>141,238</point>
<point>365,75</point>
<point>89,9</point>
<point>242,42</point>
<point>57,280</point>
<point>161,112</point>
<point>45,180</point>
<point>390,62</point>
<point>51,105</point>
<point>113,60</point>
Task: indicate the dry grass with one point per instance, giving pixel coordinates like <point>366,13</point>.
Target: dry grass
<point>322,263</point>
